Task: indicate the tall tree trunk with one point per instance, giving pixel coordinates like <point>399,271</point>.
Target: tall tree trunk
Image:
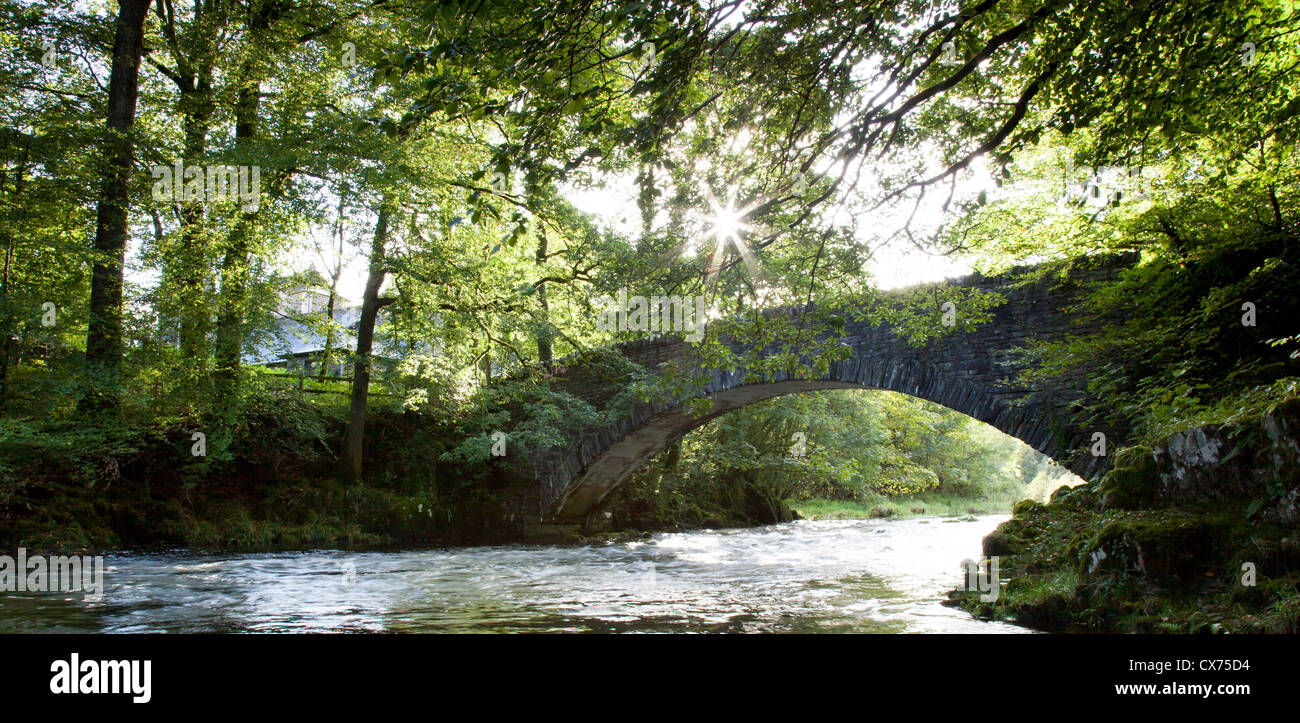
<point>328,351</point>
<point>485,364</point>
<point>194,55</point>
<point>8,331</point>
<point>370,304</point>
<point>235,260</point>
<point>234,264</point>
<point>545,339</point>
<point>196,107</point>
<point>230,319</point>
<point>6,323</point>
<point>104,336</point>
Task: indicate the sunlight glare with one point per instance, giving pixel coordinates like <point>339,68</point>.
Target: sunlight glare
<point>727,223</point>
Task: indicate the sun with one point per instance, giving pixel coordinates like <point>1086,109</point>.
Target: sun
<point>726,223</point>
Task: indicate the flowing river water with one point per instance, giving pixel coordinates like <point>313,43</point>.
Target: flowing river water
<point>832,576</point>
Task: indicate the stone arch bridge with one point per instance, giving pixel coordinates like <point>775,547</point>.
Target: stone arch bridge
<point>973,371</point>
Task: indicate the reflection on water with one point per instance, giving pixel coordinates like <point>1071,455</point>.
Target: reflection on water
<point>828,576</point>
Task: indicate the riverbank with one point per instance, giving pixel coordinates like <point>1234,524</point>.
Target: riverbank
<point>268,483</point>
<point>898,507</point>
<point>1196,534</point>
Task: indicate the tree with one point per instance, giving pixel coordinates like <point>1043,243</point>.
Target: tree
<point>104,337</point>
<point>363,361</point>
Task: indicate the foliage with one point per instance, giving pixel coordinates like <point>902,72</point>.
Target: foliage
<point>874,451</point>
<point>440,150</point>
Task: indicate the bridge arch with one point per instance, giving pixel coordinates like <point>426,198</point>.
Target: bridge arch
<point>643,436</point>
<point>974,372</point>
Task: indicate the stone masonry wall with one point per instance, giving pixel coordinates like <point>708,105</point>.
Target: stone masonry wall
<point>973,372</point>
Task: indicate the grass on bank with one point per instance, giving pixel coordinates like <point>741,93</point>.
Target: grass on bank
<point>877,506</point>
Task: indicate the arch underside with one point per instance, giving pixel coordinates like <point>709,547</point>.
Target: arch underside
<point>603,460</point>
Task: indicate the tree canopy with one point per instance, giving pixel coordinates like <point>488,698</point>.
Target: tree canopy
<point>474,176</point>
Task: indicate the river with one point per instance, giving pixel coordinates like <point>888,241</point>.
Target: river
<point>831,576</point>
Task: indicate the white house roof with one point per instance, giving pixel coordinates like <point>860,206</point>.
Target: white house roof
<point>304,334</point>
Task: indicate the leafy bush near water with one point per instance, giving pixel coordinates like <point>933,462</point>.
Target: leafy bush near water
<point>268,482</point>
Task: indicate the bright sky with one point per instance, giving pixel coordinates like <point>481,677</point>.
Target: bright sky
<point>895,265</point>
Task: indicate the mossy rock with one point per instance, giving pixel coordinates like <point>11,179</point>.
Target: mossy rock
<point>1133,483</point>
<point>1060,493</point>
<point>1079,497</point>
<point>1157,546</point>
<point>1052,612</point>
<point>1002,543</point>
<point>1024,507</point>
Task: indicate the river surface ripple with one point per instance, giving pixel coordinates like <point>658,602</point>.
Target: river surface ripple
<point>831,576</point>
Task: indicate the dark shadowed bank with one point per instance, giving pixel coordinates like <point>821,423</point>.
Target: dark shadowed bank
<point>274,485</point>
<point>271,479</point>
